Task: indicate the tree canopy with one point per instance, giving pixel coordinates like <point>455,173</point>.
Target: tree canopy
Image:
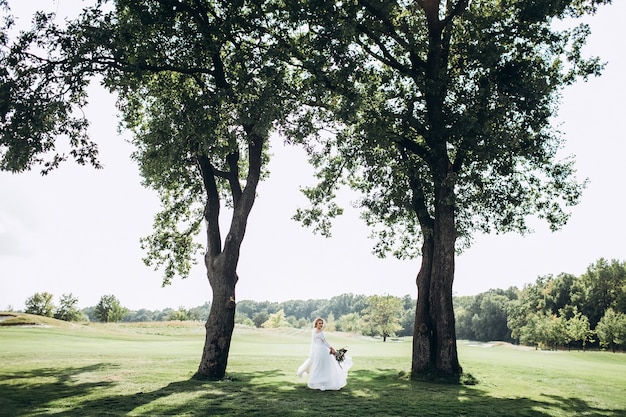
<point>40,304</point>
<point>41,123</point>
<point>109,309</point>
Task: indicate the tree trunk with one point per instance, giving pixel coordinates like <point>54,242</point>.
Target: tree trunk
<point>442,278</point>
<point>434,337</point>
<point>220,323</point>
<point>423,342</point>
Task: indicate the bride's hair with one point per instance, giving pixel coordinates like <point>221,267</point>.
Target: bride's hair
<point>316,320</point>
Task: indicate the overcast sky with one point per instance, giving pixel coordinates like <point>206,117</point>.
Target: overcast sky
<point>77,230</point>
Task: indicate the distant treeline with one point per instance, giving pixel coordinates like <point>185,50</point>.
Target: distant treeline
<point>562,311</point>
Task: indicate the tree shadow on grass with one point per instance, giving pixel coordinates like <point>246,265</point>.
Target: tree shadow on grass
<point>379,392</point>
<point>28,392</point>
<point>395,396</point>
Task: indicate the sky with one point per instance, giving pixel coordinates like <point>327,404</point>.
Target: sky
<point>77,229</point>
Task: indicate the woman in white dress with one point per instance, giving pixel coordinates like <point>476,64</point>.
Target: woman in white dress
<point>325,372</point>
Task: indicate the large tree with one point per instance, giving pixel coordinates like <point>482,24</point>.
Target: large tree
<point>202,112</point>
<point>201,87</point>
<point>443,116</point>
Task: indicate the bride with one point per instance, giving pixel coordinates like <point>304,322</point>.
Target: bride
<point>325,372</point>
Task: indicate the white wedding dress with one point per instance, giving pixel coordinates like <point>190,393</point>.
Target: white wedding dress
<point>325,373</point>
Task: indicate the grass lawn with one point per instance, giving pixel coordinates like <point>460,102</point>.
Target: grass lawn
<point>146,370</point>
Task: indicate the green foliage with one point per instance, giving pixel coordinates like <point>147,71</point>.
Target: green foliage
<point>301,309</point>
<point>341,313</point>
<point>330,324</point>
<point>611,329</point>
<point>490,324</point>
<point>340,305</point>
<point>467,100</point>
<point>179,315</point>
<point>201,85</point>
<point>260,318</point>
<point>382,316</point>
<point>350,323</point>
<point>109,309</point>
<point>579,329</point>
<point>68,309</point>
<point>200,312</point>
<point>141,315</point>
<point>559,311</point>
<point>541,330</point>
<point>41,96</point>
<point>203,93</point>
<point>604,285</point>
<point>40,304</point>
<point>484,316</point>
<point>276,320</point>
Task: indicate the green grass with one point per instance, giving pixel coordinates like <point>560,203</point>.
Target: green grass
<point>147,369</point>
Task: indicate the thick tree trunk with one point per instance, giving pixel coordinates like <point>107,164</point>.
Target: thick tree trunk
<point>220,323</point>
<point>434,338</point>
<point>442,278</point>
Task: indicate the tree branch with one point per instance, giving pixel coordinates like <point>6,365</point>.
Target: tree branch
<point>212,206</point>
<point>391,31</point>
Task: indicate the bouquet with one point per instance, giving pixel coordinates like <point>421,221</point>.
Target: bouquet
<point>340,355</point>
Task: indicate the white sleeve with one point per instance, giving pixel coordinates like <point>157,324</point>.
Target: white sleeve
<point>325,342</point>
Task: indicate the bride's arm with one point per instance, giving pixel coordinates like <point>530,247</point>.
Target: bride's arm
<point>332,349</point>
